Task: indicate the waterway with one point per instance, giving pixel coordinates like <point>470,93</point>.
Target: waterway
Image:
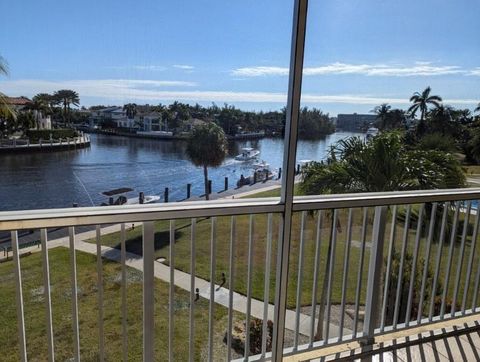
<point>59,179</point>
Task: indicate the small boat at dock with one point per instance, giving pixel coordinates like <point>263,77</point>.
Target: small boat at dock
<point>119,197</point>
<point>247,154</point>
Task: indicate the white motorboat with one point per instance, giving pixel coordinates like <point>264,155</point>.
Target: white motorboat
<point>247,154</point>
<point>371,132</point>
<point>119,197</point>
<point>261,173</point>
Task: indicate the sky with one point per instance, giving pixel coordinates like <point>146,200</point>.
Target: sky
<point>358,54</point>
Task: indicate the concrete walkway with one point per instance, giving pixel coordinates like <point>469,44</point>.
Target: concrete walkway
<point>182,280</point>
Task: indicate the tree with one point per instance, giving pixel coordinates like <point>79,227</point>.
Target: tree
<point>66,97</point>
<point>382,111</point>
<point>207,147</point>
<point>6,112</point>
<point>382,164</point>
<point>422,101</point>
<point>40,106</point>
<point>130,109</point>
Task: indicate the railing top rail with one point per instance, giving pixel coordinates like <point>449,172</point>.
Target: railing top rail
<point>30,219</point>
<point>303,203</point>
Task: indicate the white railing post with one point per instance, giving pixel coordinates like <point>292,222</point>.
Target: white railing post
<point>372,302</point>
<point>148,291</point>
<point>288,180</point>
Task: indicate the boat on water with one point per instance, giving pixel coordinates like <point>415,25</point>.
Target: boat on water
<point>371,132</point>
<point>261,172</point>
<point>247,154</point>
<point>120,197</point>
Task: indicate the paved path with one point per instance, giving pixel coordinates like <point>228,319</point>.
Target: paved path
<point>182,280</point>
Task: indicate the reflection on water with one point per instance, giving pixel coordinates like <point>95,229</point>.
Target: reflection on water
<point>47,180</point>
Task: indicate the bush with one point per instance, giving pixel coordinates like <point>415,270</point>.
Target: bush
<point>36,134</point>
<point>438,142</point>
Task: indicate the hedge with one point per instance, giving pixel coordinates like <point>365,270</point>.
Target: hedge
<point>34,135</point>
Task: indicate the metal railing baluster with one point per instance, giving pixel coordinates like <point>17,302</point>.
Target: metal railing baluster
<point>148,291</point>
<point>266,296</point>
<point>315,276</point>
<point>414,265</point>
<point>386,287</point>
<point>101,336</point>
<point>358,290</point>
<point>192,291</point>
<point>333,242</point>
<point>466,222</point>
<point>299,279</point>
<point>73,275</point>
<point>473,245</point>
<point>249,288</point>
<point>450,257</point>
<point>47,294</point>
<point>171,295</point>
<point>438,260</point>
<point>123,263</point>
<point>431,228</point>
<point>400,271</point>
<point>345,272</point>
<point>233,239</point>
<point>211,309</point>
<point>19,297</point>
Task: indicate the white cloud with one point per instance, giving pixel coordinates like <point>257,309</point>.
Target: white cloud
<point>122,90</point>
<point>183,66</point>
<point>475,71</point>
<point>418,69</point>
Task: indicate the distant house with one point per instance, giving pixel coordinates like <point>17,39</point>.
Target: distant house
<point>192,123</point>
<point>148,122</point>
<point>355,121</point>
<point>114,114</point>
<point>20,104</point>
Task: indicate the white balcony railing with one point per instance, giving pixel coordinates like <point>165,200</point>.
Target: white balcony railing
<point>385,262</point>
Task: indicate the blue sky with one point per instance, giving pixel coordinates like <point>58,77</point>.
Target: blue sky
<point>359,53</point>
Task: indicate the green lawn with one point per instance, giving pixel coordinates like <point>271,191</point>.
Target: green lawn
<point>182,252</point>
<point>88,312</point>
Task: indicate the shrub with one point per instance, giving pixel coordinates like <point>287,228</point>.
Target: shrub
<point>34,135</point>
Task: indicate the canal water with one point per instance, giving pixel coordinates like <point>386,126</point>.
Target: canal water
<point>59,179</point>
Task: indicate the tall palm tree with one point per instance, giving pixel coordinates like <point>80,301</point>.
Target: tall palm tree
<point>40,106</point>
<point>66,97</point>
<point>422,101</point>
<point>207,147</point>
<point>382,111</point>
<point>6,111</point>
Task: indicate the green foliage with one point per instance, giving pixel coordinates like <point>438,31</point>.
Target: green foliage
<point>405,282</point>
<point>313,123</point>
<point>382,164</point>
<point>34,135</point>
<point>207,147</point>
<point>437,141</point>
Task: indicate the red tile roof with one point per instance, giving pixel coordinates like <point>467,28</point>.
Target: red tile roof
<point>18,101</point>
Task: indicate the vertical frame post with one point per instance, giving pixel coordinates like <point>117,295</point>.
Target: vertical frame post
<point>290,148</point>
<point>148,291</point>
<point>372,304</point>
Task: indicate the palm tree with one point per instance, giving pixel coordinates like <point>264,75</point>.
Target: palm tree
<point>382,111</point>
<point>421,101</point>
<point>66,97</point>
<point>40,106</point>
<point>207,147</point>
<point>381,164</point>
<point>6,112</point>
<point>130,109</point>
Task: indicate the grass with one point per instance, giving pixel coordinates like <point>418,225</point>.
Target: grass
<point>202,246</point>
<point>88,312</point>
